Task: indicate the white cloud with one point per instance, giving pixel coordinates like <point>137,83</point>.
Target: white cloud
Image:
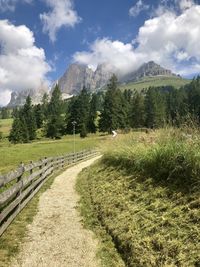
<point>5,97</point>
<point>62,14</point>
<point>22,64</point>
<point>135,10</point>
<point>174,6</point>
<point>9,5</point>
<point>121,56</point>
<point>170,39</point>
<point>185,4</point>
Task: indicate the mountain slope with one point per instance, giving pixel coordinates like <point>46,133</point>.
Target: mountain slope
<point>155,81</point>
<point>148,69</point>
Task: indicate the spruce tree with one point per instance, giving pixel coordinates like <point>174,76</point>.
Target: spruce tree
<point>83,131</point>
<point>19,131</point>
<point>55,124</point>
<point>78,111</point>
<point>92,127</point>
<point>39,115</point>
<point>44,106</point>
<point>155,108</point>
<point>193,91</point>
<point>5,114</point>
<point>27,114</point>
<point>114,113</point>
<point>137,112</point>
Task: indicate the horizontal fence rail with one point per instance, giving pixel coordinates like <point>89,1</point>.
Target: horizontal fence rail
<point>18,187</point>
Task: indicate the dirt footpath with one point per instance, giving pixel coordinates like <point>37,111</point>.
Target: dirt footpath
<point>56,237</point>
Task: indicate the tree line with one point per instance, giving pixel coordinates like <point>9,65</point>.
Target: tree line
<point>106,111</point>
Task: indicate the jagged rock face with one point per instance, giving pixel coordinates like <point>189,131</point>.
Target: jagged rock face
<point>78,76</point>
<point>19,98</point>
<point>75,78</point>
<point>147,70</point>
<point>101,76</point>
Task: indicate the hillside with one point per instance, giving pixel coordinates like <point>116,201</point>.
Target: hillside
<point>155,81</point>
<point>143,196</point>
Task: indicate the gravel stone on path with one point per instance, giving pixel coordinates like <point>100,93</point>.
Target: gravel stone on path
<point>56,237</point>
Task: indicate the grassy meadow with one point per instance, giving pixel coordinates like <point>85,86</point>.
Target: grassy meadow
<point>155,81</point>
<point>11,155</point>
<point>144,196</point>
<point>5,126</point>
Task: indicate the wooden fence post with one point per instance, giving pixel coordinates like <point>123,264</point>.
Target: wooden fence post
<point>20,180</point>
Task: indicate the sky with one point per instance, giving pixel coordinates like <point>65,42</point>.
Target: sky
<point>40,38</point>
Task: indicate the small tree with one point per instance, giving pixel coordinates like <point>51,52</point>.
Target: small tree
<point>19,132</point>
<point>5,114</point>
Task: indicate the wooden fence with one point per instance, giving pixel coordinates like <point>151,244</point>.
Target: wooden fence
<point>18,187</point>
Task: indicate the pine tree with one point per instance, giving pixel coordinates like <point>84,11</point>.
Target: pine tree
<point>155,108</point>
<point>177,106</point>
<point>39,115</point>
<point>5,114</point>
<point>137,113</point>
<point>55,124</point>
<point>193,91</point>
<point>114,113</point>
<point>27,114</point>
<point>78,111</point>
<point>44,106</point>
<point>92,127</point>
<point>83,132</point>
<point>19,132</point>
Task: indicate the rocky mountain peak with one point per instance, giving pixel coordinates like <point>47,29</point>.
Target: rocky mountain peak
<point>147,70</point>
<point>77,76</point>
<point>19,98</point>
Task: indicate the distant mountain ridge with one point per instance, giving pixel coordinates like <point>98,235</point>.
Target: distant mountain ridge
<point>77,76</point>
<point>19,98</point>
<point>150,69</point>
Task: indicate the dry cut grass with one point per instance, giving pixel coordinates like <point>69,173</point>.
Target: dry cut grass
<point>145,194</point>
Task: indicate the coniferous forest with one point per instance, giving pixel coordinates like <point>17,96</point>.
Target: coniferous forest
<point>104,111</point>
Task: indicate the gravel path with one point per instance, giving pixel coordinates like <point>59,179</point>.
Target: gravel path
<point>56,237</point>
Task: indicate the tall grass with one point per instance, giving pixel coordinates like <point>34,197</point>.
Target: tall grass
<point>169,156</point>
<point>145,194</point>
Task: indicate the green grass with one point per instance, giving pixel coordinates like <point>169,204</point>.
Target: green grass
<point>156,82</point>
<point>11,155</point>
<point>5,126</point>
<point>145,194</point>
